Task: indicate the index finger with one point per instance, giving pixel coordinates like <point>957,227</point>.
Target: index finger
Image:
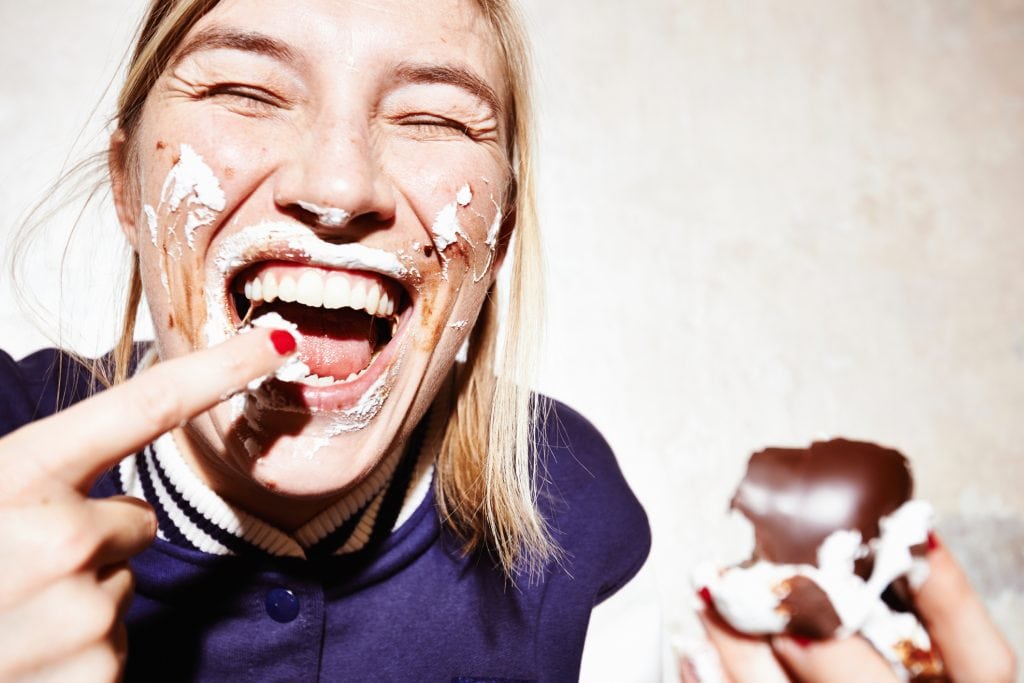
<point>957,620</point>
<point>77,444</point>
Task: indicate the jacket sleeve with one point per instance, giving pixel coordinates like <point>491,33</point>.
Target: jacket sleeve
<point>592,508</point>
<point>38,386</point>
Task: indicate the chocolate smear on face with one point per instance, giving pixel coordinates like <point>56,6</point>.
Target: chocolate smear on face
<point>797,497</point>
<point>811,614</point>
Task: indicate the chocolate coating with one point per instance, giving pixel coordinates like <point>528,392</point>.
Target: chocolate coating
<point>796,497</point>
<point>811,615</point>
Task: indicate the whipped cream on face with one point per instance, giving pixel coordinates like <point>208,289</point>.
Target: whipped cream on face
<point>446,227</point>
<point>495,228</point>
<point>351,419</point>
<point>296,241</point>
<point>491,241</point>
<point>190,178</point>
<point>751,597</point>
<point>329,217</point>
<point>153,222</point>
<point>464,196</point>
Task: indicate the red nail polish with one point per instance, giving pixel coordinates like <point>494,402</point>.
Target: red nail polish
<point>705,596</point>
<point>933,541</point>
<point>801,641</point>
<point>284,342</point>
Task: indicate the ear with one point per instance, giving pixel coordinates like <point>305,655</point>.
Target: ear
<point>124,202</point>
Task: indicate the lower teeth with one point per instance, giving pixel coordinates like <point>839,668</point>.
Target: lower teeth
<point>327,380</point>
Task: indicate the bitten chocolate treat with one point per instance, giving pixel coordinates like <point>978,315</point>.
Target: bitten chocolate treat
<point>796,497</point>
<point>837,538</point>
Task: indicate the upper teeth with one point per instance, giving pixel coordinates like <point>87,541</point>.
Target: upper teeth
<point>315,288</point>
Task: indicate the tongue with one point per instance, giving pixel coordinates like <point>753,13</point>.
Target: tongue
<point>334,342</point>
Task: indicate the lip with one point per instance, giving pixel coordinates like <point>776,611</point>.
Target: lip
<point>286,242</point>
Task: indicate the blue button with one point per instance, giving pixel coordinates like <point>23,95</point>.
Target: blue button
<point>282,605</point>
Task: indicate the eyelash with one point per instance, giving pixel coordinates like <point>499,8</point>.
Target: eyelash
<point>253,97</point>
<point>437,123</point>
<point>262,101</point>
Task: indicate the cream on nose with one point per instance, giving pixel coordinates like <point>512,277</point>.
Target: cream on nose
<point>327,216</point>
<point>334,180</point>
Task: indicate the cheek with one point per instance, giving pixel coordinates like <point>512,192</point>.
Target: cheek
<point>188,184</point>
<point>235,155</point>
<point>458,209</point>
<point>465,230</point>
<point>462,177</point>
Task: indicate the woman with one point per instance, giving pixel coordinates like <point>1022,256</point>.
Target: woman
<point>323,191</point>
<point>344,179</point>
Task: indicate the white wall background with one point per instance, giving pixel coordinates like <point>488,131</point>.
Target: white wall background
<point>766,222</point>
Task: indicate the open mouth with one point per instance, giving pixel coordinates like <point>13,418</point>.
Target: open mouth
<point>348,319</point>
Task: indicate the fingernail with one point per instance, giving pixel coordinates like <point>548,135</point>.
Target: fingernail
<point>933,541</point>
<point>284,343</point>
<point>705,595</point>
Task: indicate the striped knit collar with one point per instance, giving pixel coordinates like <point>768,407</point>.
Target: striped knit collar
<point>192,515</point>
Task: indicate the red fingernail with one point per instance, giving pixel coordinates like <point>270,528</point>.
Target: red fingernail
<point>284,342</point>
<point>705,596</point>
<point>933,541</point>
<point>801,641</point>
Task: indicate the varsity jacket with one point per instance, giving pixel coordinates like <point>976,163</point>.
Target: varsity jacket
<point>408,606</point>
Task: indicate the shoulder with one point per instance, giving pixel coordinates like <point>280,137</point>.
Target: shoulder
<point>576,459</point>
<point>594,514</point>
<point>39,385</point>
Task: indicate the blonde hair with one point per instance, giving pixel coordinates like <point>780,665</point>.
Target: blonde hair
<point>486,479</point>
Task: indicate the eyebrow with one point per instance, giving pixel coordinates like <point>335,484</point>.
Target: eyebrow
<point>215,38</point>
<point>452,75</point>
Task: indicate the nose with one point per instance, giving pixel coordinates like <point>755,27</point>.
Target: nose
<point>333,182</point>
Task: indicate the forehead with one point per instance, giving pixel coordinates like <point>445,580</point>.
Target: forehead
<point>364,34</point>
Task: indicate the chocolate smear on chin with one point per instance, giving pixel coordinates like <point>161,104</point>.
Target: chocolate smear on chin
<point>797,497</point>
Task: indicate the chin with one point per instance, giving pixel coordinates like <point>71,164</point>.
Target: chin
<point>313,466</point>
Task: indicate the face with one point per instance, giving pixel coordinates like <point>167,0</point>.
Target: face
<point>335,166</point>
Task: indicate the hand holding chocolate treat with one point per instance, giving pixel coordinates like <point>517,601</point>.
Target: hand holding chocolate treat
<point>837,540</point>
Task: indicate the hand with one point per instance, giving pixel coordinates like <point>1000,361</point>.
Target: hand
<point>64,578</point>
<point>958,624</point>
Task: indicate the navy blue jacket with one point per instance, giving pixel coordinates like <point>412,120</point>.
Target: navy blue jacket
<point>412,608</point>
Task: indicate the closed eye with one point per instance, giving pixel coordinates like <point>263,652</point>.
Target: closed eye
<point>249,98</point>
<point>436,125</point>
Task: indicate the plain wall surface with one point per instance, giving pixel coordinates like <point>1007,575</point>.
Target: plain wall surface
<point>766,223</point>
